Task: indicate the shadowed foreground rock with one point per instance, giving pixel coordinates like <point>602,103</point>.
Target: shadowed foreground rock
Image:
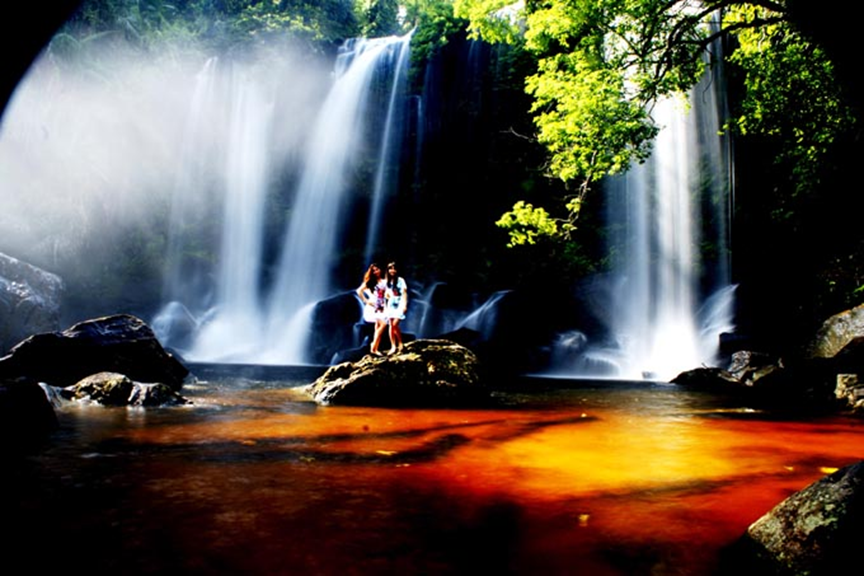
<point>120,343</point>
<point>26,415</point>
<point>425,373</point>
<point>815,531</point>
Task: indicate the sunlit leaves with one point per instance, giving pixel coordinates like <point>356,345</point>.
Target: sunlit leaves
<point>556,26</point>
<point>378,17</point>
<point>526,224</point>
<point>492,20</point>
<point>588,128</point>
<point>600,65</point>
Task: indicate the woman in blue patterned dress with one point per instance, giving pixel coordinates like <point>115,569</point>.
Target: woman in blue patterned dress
<point>396,296</point>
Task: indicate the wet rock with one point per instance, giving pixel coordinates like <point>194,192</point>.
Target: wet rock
<point>850,358</point>
<point>748,366</point>
<point>836,333</point>
<point>850,392</point>
<point>800,385</point>
<point>113,389</point>
<point>816,531</point>
<point>29,301</point>
<point>426,373</point>
<point>120,343</point>
<point>707,378</point>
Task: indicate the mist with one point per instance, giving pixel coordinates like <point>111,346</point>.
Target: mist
<point>93,150</point>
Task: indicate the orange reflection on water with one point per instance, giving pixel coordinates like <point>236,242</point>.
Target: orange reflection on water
<point>589,482</point>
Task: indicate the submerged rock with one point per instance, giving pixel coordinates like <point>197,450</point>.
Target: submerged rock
<point>425,373</point>
<point>112,389</point>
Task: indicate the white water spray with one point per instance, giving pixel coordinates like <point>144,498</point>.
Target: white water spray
<point>669,305</point>
<point>385,173</point>
<point>315,225</point>
<point>248,319</point>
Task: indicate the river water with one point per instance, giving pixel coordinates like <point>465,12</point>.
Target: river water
<point>552,477</point>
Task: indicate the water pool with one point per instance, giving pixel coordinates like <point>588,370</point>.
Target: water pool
<point>553,477</point>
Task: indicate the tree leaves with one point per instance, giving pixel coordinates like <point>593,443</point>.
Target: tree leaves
<point>525,224</point>
<point>601,64</point>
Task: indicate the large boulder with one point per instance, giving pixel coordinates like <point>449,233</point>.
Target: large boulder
<point>707,378</point>
<point>120,343</point>
<point>424,373</point>
<point>836,333</point>
<point>801,385</point>
<point>29,301</point>
<point>815,531</point>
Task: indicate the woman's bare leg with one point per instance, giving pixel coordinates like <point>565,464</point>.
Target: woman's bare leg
<point>380,325</point>
<point>395,335</point>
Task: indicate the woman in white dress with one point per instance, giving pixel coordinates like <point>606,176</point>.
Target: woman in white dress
<point>396,296</point>
<point>372,293</point>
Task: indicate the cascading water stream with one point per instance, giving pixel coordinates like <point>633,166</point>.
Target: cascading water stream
<point>668,303</point>
<point>189,198</point>
<point>315,226</point>
<point>656,320</point>
<point>385,171</point>
<point>232,331</point>
<point>239,318</point>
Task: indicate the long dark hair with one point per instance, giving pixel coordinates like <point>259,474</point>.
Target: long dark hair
<point>370,279</point>
<point>392,279</point>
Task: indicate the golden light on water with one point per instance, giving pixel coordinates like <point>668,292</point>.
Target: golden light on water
<point>611,481</point>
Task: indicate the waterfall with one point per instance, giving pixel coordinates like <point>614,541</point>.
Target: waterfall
<point>315,225</point>
<point>672,301</point>
<point>669,300</point>
<point>231,333</point>
<point>190,198</point>
<point>655,321</point>
<point>260,310</point>
<point>385,174</point>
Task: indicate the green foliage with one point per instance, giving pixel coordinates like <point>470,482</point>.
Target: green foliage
<point>379,17</point>
<point>601,64</point>
<point>791,94</point>
<point>215,24</point>
<point>526,224</point>
<point>492,20</point>
<point>581,117</point>
<point>434,23</point>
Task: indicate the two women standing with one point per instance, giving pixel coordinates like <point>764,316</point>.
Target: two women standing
<point>385,301</point>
